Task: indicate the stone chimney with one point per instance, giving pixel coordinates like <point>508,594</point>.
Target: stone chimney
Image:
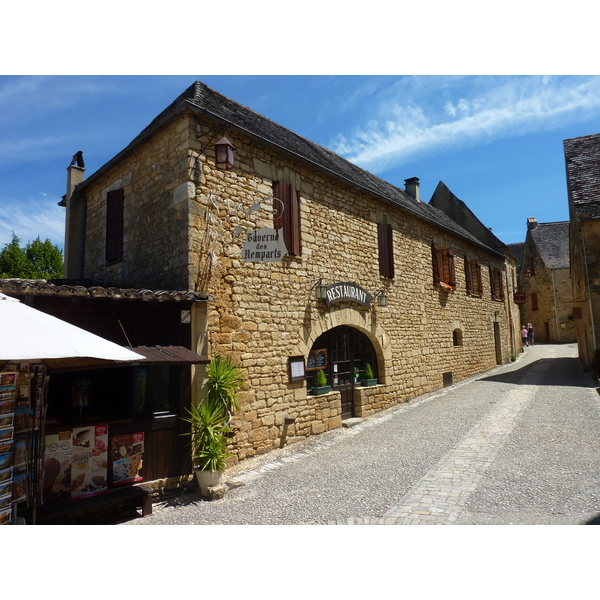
<point>74,220</point>
<point>412,188</point>
<point>531,223</point>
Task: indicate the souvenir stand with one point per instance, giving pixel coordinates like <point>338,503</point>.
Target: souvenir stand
<point>31,341</point>
<point>23,389</point>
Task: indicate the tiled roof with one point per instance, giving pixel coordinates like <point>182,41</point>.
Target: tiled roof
<point>63,288</point>
<point>517,251</point>
<point>208,102</point>
<point>583,175</point>
<point>552,241</point>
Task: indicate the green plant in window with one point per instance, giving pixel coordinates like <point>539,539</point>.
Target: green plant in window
<point>368,372</point>
<point>321,379</point>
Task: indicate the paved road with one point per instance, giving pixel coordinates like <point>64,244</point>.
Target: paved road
<point>517,445</point>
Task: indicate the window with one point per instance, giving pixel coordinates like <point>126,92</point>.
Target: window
<point>496,284</point>
<point>287,216</point>
<point>114,225</point>
<point>386,250</point>
<point>444,274</point>
<point>473,277</point>
<point>532,266</point>
<point>457,337</point>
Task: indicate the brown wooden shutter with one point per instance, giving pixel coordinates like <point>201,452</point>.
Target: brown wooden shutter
<point>500,284</point>
<point>492,283</point>
<point>468,275</point>
<point>115,202</point>
<point>479,278</point>
<point>451,269</point>
<point>436,255</point>
<point>534,301</point>
<point>288,219</point>
<point>386,249</point>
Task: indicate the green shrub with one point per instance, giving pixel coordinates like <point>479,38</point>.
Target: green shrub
<point>321,379</point>
<point>368,372</point>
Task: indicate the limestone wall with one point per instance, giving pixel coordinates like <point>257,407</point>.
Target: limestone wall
<point>156,183</point>
<point>184,229</point>
<point>265,313</point>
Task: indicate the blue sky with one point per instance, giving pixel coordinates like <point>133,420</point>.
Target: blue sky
<point>495,141</point>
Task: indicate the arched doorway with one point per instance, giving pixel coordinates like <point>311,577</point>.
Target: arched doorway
<point>348,351</point>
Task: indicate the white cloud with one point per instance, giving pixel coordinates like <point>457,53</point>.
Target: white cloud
<point>28,220</point>
<point>406,124</point>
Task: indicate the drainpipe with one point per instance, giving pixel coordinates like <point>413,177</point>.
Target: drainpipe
<point>587,289</point>
<point>510,316</point>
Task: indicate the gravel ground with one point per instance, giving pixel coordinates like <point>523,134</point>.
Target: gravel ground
<point>546,471</point>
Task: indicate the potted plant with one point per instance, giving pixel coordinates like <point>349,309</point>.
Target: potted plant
<point>321,386</point>
<point>209,421</point>
<point>209,445</point>
<point>368,379</point>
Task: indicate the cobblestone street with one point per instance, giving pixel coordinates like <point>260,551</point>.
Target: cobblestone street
<point>516,445</point>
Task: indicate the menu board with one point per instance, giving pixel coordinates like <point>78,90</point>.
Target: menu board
<point>89,466</point>
<point>317,359</point>
<point>56,480</point>
<point>76,463</point>
<point>126,453</point>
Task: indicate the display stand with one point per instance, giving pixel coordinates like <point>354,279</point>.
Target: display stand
<point>23,389</point>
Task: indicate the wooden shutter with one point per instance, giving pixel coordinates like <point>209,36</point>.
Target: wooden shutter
<point>468,275</point>
<point>288,219</point>
<point>492,283</point>
<point>115,202</point>
<point>386,249</point>
<point>436,255</point>
<point>500,284</point>
<point>534,301</point>
<point>479,278</point>
<point>451,269</point>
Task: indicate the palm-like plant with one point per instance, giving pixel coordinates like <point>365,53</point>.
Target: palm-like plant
<point>208,439</point>
<point>225,380</point>
<point>209,419</point>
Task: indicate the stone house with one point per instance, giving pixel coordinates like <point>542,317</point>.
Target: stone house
<point>545,278</point>
<point>313,263</point>
<point>582,157</point>
<point>444,200</point>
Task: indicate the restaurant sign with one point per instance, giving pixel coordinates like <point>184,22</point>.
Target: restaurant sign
<point>347,292</point>
<point>264,245</point>
<point>520,297</point>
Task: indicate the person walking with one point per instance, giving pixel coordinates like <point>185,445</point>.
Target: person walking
<point>524,335</point>
<point>530,335</point>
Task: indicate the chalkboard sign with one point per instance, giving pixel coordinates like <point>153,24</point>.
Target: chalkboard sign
<point>317,359</point>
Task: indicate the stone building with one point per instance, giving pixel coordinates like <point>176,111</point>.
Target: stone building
<point>545,278</point>
<point>312,263</point>
<point>582,157</point>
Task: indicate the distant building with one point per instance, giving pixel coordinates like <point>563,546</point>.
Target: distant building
<point>544,276</point>
<point>583,183</point>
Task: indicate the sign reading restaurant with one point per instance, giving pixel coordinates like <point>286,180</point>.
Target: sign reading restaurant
<point>264,245</point>
<point>347,292</point>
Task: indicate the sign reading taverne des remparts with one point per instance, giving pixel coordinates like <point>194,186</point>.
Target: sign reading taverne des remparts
<point>264,245</point>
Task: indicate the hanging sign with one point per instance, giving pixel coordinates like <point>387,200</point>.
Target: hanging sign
<point>347,292</point>
<point>264,245</point>
<point>520,297</point>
